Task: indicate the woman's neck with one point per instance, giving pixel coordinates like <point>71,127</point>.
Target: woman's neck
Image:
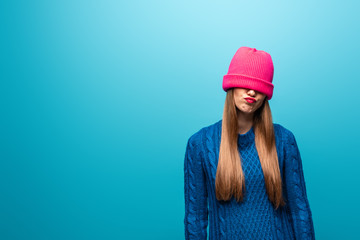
<point>245,122</point>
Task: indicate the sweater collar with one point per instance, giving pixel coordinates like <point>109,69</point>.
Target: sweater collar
<point>246,138</point>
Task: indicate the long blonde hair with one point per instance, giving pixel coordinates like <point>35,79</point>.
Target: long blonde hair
<point>230,179</point>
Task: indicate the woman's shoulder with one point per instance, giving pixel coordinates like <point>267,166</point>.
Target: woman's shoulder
<point>207,130</point>
<point>283,132</point>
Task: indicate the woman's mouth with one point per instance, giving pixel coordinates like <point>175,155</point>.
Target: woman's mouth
<point>250,100</point>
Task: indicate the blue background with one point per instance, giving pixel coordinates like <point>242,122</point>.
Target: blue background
<point>98,99</point>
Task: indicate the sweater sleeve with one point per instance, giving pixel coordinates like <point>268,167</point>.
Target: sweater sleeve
<point>196,209</point>
<point>298,207</point>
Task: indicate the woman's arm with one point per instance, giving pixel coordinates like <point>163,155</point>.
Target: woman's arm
<point>298,206</point>
<point>196,210</point>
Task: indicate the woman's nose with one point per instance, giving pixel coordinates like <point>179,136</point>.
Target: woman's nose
<point>251,92</point>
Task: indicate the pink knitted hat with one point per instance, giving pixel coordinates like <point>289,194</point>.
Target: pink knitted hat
<point>250,68</point>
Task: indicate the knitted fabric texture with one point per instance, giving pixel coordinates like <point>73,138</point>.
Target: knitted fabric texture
<point>255,217</point>
<point>250,68</point>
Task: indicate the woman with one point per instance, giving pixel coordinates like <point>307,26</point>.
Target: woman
<point>243,174</point>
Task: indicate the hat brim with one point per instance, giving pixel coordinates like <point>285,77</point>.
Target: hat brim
<point>243,81</point>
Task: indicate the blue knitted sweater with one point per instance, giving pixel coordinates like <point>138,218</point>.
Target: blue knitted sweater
<point>254,218</point>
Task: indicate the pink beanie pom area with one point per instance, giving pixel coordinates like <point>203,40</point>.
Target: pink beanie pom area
<point>250,68</point>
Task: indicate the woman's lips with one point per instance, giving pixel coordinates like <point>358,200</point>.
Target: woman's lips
<point>250,100</point>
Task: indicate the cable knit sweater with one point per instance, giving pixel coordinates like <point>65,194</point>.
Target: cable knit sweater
<point>254,218</point>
